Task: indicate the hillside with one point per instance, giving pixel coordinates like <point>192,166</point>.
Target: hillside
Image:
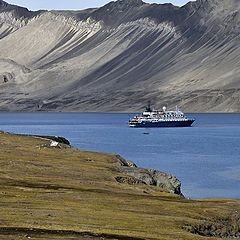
<point>54,191</point>
<point>120,56</point>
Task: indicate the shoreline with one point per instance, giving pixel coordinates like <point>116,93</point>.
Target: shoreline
<point>53,190</point>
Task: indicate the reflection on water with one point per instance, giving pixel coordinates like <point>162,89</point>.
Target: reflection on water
<point>204,157</point>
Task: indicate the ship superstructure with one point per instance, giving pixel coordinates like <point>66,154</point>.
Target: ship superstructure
<point>155,118</point>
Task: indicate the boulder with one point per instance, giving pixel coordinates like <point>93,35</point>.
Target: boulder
<point>154,178</point>
<point>56,139</point>
<point>125,163</point>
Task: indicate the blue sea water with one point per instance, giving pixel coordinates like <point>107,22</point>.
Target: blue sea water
<point>205,157</point>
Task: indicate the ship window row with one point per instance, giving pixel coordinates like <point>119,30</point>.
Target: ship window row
<point>167,115</point>
<point>174,115</point>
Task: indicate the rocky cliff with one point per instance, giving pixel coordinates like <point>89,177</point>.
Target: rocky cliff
<point>149,177</point>
<point>120,56</point>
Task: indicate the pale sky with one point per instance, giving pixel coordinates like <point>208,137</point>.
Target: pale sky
<point>76,4</point>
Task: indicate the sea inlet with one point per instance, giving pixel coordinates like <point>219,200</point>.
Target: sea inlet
<point>205,157</point>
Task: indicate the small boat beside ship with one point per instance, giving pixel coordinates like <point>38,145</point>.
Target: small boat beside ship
<point>155,118</point>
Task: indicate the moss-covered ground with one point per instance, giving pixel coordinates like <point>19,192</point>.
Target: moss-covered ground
<point>65,193</point>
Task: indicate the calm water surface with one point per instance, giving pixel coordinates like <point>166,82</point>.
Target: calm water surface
<point>205,157</point>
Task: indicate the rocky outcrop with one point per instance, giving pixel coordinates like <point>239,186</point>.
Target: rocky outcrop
<point>56,139</point>
<point>154,178</point>
<point>15,16</point>
<point>147,176</point>
<point>6,77</point>
<point>123,162</point>
<point>120,56</point>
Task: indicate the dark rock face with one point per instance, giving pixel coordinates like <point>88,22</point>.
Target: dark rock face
<point>147,176</point>
<point>125,163</point>
<point>3,5</point>
<point>120,56</point>
<point>57,139</point>
<point>19,12</point>
<point>115,13</point>
<point>6,77</point>
<point>154,178</point>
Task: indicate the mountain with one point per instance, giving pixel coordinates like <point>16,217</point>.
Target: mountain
<point>120,56</point>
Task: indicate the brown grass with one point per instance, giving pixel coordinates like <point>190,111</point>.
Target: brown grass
<point>66,193</point>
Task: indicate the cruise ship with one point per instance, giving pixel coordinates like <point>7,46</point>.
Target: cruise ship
<point>155,118</point>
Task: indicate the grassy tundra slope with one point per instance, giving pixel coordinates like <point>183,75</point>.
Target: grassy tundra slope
<point>64,193</point>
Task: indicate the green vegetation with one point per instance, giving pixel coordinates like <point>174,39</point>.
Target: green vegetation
<point>63,193</point>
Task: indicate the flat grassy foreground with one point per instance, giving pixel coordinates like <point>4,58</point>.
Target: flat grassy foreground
<point>64,193</point>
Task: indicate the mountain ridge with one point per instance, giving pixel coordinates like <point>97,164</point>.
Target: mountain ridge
<point>120,56</point>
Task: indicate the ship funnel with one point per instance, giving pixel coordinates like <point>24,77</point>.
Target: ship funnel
<point>164,108</point>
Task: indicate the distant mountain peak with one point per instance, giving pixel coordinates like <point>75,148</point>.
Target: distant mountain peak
<point>119,56</point>
<point>125,3</point>
<point>3,4</point>
<point>131,2</point>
